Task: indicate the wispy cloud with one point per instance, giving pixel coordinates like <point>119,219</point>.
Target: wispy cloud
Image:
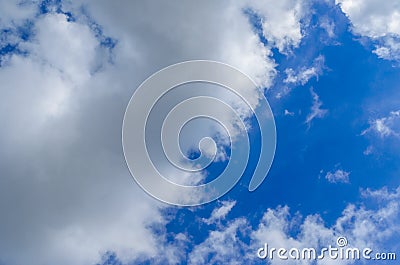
<point>220,213</point>
<point>289,113</point>
<point>385,126</point>
<point>316,110</point>
<point>301,75</point>
<point>304,74</point>
<point>328,25</point>
<point>383,194</point>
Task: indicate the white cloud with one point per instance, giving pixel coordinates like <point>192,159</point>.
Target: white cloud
<point>339,176</point>
<point>388,48</point>
<point>61,160</point>
<point>221,246</point>
<point>14,12</point>
<point>14,15</point>
<point>328,25</point>
<point>316,110</point>
<point>73,195</point>
<point>67,47</point>
<point>385,126</point>
<point>289,113</point>
<point>281,24</point>
<point>372,227</point>
<point>383,194</point>
<point>369,150</point>
<point>220,213</point>
<point>301,76</point>
<point>377,20</point>
<point>304,74</point>
<point>371,17</point>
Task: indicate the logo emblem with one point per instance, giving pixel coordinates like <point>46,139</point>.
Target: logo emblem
<point>161,109</point>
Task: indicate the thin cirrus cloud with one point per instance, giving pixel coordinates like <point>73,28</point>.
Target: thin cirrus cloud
<point>317,112</point>
<point>220,213</point>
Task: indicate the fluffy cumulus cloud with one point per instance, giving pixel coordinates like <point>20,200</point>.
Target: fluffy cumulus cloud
<point>377,20</point>
<point>55,35</point>
<point>65,192</point>
<point>374,226</point>
<point>281,25</point>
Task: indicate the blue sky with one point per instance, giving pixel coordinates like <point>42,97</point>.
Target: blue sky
<point>329,70</point>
